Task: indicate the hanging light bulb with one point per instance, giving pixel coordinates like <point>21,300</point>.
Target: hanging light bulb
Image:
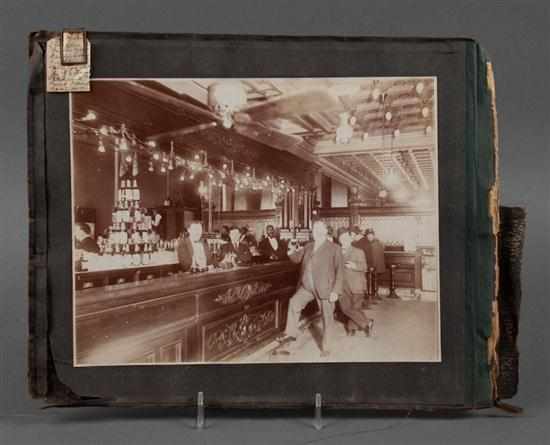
<point>156,155</point>
<point>128,158</point>
<point>163,169</point>
<point>419,87</point>
<point>344,132</point>
<point>123,145</point>
<point>388,116</point>
<point>197,157</point>
<point>192,176</point>
<point>425,112</point>
<point>171,162</point>
<point>203,190</point>
<point>101,147</point>
<point>135,167</point>
<point>383,194</point>
<point>182,177</point>
<point>396,133</point>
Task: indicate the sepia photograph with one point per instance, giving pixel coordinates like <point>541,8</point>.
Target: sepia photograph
<point>255,220</point>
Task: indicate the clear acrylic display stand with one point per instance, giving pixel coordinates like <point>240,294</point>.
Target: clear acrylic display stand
<point>200,410</point>
<point>317,419</point>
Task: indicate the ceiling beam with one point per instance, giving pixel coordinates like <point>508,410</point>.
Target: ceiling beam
<point>374,144</point>
<point>172,100</point>
<point>404,171</point>
<point>368,168</point>
<point>375,159</point>
<point>322,122</point>
<point>183,131</point>
<point>419,169</point>
<point>343,176</point>
<point>302,122</point>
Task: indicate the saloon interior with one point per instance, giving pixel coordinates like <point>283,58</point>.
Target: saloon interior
<point>250,153</point>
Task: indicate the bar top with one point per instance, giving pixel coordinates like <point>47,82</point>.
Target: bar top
<point>88,301</point>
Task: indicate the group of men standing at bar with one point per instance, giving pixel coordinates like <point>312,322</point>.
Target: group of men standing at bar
<point>333,269</point>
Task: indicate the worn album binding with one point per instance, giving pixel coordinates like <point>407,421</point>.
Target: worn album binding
<point>400,109</point>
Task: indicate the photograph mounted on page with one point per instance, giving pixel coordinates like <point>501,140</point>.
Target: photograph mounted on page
<point>255,220</point>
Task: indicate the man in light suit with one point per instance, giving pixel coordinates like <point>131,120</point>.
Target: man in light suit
<point>355,285</point>
<point>193,252</point>
<point>321,278</point>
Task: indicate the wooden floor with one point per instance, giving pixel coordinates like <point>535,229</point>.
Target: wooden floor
<point>403,331</point>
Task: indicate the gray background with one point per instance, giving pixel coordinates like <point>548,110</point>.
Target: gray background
<point>516,36</point>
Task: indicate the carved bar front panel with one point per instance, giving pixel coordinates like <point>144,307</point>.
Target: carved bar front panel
<point>238,332</point>
<point>213,316</point>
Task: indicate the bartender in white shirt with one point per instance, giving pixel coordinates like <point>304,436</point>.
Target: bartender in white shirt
<point>193,252</point>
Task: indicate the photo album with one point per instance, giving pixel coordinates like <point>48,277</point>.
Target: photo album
<point>264,218</point>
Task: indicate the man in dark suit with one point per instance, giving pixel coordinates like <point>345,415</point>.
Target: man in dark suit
<point>374,251</point>
<point>321,278</point>
<point>193,252</point>
<point>84,240</point>
<point>271,247</point>
<point>236,248</point>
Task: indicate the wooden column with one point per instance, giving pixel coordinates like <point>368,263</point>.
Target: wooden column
<point>116,178</point>
<point>210,210</point>
<point>326,187</point>
<point>354,203</point>
<point>279,202</point>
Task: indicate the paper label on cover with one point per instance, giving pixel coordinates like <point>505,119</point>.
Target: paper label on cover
<point>66,78</point>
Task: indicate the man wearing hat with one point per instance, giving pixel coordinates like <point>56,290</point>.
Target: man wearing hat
<point>374,251</point>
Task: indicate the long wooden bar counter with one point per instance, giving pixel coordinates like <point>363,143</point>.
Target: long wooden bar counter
<point>211,316</point>
<point>86,280</point>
